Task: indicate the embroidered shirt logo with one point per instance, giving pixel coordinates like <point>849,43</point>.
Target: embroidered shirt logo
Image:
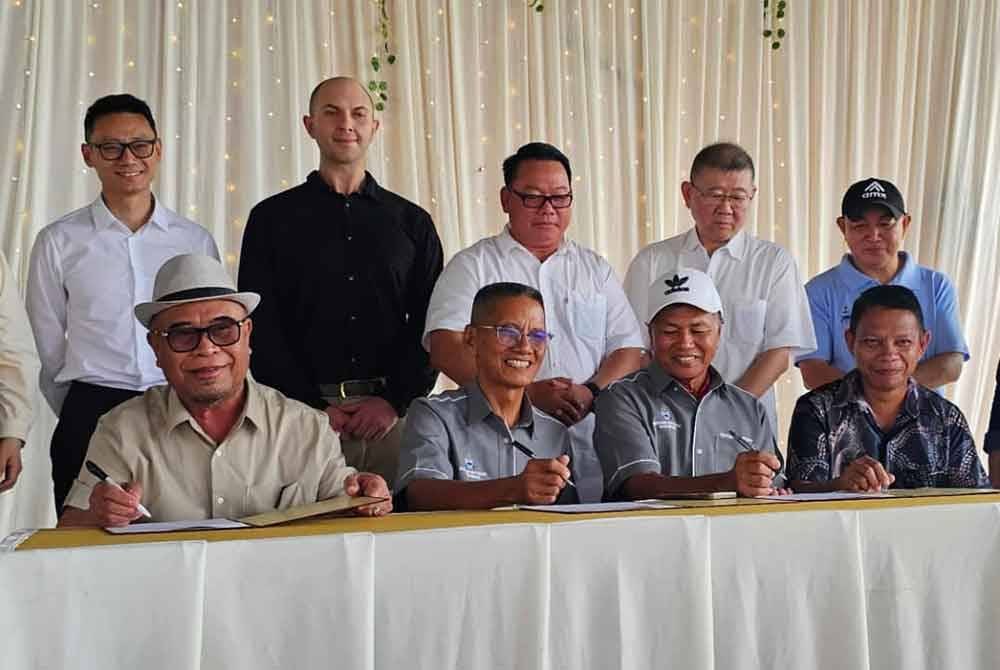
<point>469,471</point>
<point>676,284</point>
<point>873,190</point>
<point>665,420</point>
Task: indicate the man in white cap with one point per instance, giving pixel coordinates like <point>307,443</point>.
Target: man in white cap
<point>212,442</point>
<point>676,426</point>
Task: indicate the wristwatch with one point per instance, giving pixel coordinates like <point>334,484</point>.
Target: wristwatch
<point>594,389</point>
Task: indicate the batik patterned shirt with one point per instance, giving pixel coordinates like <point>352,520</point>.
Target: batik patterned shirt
<point>929,444</point>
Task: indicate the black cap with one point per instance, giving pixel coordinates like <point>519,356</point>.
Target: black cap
<point>872,192</point>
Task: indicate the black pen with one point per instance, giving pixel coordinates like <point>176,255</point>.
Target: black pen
<point>530,454</point>
<point>98,472</point>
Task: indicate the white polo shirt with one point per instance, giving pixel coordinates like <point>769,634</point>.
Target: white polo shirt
<point>585,308</point>
<point>763,298</point>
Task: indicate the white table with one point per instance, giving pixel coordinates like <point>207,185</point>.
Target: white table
<point>873,586</point>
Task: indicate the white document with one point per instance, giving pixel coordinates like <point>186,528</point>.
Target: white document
<point>832,495</point>
<point>168,526</point>
<point>593,508</point>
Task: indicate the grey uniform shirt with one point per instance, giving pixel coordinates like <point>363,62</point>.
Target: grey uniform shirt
<point>648,422</point>
<point>455,435</point>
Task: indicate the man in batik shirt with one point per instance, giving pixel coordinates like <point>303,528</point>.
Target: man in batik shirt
<point>877,427</point>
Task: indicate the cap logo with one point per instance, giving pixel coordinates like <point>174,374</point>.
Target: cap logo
<point>676,285</point>
<point>874,190</point>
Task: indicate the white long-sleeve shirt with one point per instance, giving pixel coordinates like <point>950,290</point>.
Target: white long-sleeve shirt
<point>18,360</point>
<point>88,271</point>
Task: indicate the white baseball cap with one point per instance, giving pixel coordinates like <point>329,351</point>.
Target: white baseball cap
<point>684,286</point>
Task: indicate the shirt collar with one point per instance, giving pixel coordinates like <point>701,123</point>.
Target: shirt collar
<point>253,410</point>
<point>104,219</point>
<point>479,410</point>
<point>906,275</point>
<point>735,247</point>
<point>662,380</point>
<point>507,244</point>
<point>852,392</point>
<point>369,187</point>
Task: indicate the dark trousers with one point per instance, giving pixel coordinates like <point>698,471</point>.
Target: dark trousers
<point>84,405</point>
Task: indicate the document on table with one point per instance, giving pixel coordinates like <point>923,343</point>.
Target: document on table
<point>832,495</point>
<point>169,526</point>
<point>595,508</point>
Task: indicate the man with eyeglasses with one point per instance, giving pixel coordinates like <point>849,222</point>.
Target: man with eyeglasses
<point>767,313</point>
<point>597,334</point>
<point>877,427</point>
<point>88,270</point>
<point>212,443</point>
<point>485,445</point>
<point>874,222</point>
<point>676,426</point>
<point>346,268</point>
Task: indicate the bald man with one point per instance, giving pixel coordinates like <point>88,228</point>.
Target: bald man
<point>345,270</point>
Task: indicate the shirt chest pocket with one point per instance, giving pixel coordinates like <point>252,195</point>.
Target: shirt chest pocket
<point>723,457</point>
<point>588,316</point>
<point>745,322</point>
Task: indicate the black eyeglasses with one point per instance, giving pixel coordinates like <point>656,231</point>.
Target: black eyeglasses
<point>537,200</point>
<point>222,333</point>
<point>112,151</point>
<point>510,336</point>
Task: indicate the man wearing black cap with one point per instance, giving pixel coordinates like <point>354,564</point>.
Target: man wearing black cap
<point>874,222</point>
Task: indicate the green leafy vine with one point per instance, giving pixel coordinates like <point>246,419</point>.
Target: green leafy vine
<point>378,87</point>
<point>774,18</point>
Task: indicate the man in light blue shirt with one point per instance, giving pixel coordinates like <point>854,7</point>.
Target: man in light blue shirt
<point>874,222</point>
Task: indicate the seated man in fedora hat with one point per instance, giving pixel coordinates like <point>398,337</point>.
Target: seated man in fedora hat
<point>212,442</point>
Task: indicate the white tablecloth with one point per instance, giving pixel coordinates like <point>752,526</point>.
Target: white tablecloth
<point>910,588</point>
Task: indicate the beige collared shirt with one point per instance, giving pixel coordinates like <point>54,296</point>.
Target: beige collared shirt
<point>280,453</point>
<point>18,360</point>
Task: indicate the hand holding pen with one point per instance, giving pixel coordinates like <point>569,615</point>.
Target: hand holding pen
<point>754,471</point>
<point>112,504</point>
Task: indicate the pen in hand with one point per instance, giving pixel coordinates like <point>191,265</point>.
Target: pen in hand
<point>749,447</point>
<point>530,454</point>
<point>98,472</point>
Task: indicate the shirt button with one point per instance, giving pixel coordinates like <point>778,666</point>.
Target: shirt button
<point>354,317</point>
<point>354,359</point>
<point>218,452</point>
<point>350,277</point>
<point>220,500</point>
<point>699,452</point>
<point>347,205</point>
<point>350,237</point>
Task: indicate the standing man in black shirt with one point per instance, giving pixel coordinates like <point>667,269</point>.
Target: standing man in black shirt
<point>345,269</point>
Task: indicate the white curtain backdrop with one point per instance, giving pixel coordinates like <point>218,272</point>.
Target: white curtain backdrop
<point>630,89</point>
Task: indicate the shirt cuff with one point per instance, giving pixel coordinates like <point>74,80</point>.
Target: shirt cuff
<point>15,428</point>
<point>79,496</point>
<point>627,471</point>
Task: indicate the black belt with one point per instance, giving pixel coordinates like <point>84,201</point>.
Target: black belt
<point>354,387</point>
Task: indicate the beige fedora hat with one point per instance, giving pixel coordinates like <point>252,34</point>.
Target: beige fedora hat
<point>192,278</point>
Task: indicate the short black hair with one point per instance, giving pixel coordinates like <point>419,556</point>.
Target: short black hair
<point>488,296</point>
<point>534,151</point>
<point>725,156</point>
<point>119,103</point>
<point>886,296</point>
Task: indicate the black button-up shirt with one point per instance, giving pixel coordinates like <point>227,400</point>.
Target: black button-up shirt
<point>344,283</point>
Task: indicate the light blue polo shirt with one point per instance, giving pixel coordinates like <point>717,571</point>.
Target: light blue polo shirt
<point>832,295</point>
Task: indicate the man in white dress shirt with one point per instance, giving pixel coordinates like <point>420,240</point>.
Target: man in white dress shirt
<point>596,337</point>
<point>90,268</point>
<point>767,312</point>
